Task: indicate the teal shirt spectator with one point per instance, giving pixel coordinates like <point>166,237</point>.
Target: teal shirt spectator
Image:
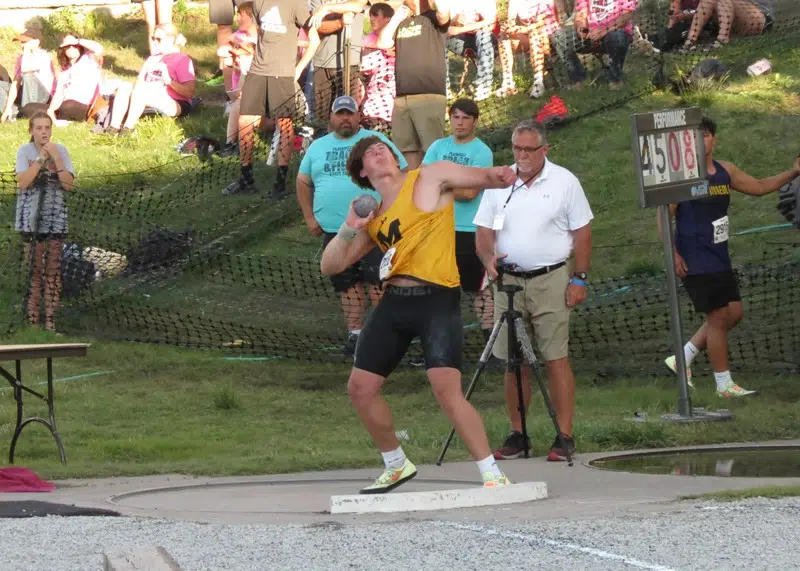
<point>325,162</point>
<point>472,154</point>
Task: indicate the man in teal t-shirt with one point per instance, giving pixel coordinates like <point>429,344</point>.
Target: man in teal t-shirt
<point>464,148</point>
<point>325,191</point>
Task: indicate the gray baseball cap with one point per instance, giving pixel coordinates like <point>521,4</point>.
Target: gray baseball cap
<point>344,103</point>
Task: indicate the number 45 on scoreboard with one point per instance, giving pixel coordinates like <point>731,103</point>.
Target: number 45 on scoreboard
<point>669,156</point>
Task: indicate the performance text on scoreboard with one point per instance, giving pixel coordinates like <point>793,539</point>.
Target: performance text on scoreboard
<point>669,156</point>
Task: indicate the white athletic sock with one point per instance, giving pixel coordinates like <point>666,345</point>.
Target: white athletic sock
<point>489,464</point>
<point>355,332</point>
<point>690,352</point>
<point>723,379</point>
<point>394,459</point>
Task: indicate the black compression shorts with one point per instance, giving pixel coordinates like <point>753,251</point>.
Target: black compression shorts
<point>430,313</point>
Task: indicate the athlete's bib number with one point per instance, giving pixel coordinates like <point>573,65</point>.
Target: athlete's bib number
<point>720,230</point>
<point>386,264</point>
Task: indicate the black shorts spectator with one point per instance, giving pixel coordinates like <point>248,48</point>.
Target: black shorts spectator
<point>469,264</point>
<point>363,271</point>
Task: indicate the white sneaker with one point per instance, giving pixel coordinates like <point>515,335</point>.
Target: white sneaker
<point>733,390</point>
<point>671,363</point>
<point>538,88</point>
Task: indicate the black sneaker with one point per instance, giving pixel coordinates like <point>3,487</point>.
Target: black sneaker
<point>350,345</point>
<point>512,448</point>
<point>279,190</point>
<point>241,186</point>
<point>558,453</point>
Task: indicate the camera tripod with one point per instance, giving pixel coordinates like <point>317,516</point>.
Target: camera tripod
<point>517,341</point>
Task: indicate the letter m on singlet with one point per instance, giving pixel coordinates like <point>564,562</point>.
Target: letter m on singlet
<point>394,234</point>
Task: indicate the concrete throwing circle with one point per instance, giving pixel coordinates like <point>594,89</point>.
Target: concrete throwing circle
<point>263,497</point>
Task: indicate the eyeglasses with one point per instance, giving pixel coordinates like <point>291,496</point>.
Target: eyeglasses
<point>526,150</point>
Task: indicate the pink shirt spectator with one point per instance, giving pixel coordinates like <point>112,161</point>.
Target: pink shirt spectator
<point>381,90</point>
<point>178,66</point>
<point>42,66</point>
<point>602,13</point>
<point>81,81</point>
<point>542,12</point>
<point>240,38</point>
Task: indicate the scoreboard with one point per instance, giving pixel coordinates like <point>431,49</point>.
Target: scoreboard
<point>669,156</point>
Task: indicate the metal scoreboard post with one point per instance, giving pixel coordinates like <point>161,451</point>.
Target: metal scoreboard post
<point>669,156</point>
<point>669,160</point>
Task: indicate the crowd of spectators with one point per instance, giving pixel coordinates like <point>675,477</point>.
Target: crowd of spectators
<point>282,60</point>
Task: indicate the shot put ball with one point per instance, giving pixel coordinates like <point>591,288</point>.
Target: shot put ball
<point>365,204</point>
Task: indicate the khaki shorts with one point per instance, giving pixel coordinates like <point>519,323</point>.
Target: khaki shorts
<point>544,310</point>
<point>417,121</point>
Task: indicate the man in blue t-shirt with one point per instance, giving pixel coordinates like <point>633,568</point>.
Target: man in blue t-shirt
<point>325,191</point>
<point>703,263</point>
<point>464,148</point>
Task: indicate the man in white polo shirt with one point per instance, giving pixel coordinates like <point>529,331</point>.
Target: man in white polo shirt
<point>535,225</point>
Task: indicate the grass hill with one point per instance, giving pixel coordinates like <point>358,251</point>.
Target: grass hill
<point>119,409</point>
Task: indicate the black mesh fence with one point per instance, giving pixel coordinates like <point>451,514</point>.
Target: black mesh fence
<point>163,256</point>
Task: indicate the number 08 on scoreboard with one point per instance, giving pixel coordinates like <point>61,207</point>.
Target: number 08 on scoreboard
<point>669,156</point>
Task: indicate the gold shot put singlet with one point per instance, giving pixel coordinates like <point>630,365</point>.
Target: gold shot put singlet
<point>416,244</point>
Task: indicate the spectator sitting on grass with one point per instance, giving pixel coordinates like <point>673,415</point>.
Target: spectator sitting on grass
<point>737,17</point>
<point>33,80</point>
<point>78,83</point>
<point>471,28</point>
<point>165,84</point>
<point>599,26</point>
<point>528,28</point>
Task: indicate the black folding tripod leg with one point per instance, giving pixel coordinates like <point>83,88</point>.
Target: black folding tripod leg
<point>484,359</point>
<point>515,366</point>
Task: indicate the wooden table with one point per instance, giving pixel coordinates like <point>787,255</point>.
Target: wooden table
<point>19,353</point>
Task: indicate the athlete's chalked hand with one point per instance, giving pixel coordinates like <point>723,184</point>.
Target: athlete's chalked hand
<point>365,204</point>
<point>354,220</point>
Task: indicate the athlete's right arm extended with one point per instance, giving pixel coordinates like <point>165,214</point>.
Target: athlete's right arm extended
<point>452,177</point>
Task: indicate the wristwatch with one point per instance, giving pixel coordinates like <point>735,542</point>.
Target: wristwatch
<point>580,276</point>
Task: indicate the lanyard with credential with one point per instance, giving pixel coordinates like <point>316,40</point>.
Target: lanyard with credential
<point>517,187</point>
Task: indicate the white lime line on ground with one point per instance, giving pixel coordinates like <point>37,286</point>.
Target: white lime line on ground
<point>562,545</point>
